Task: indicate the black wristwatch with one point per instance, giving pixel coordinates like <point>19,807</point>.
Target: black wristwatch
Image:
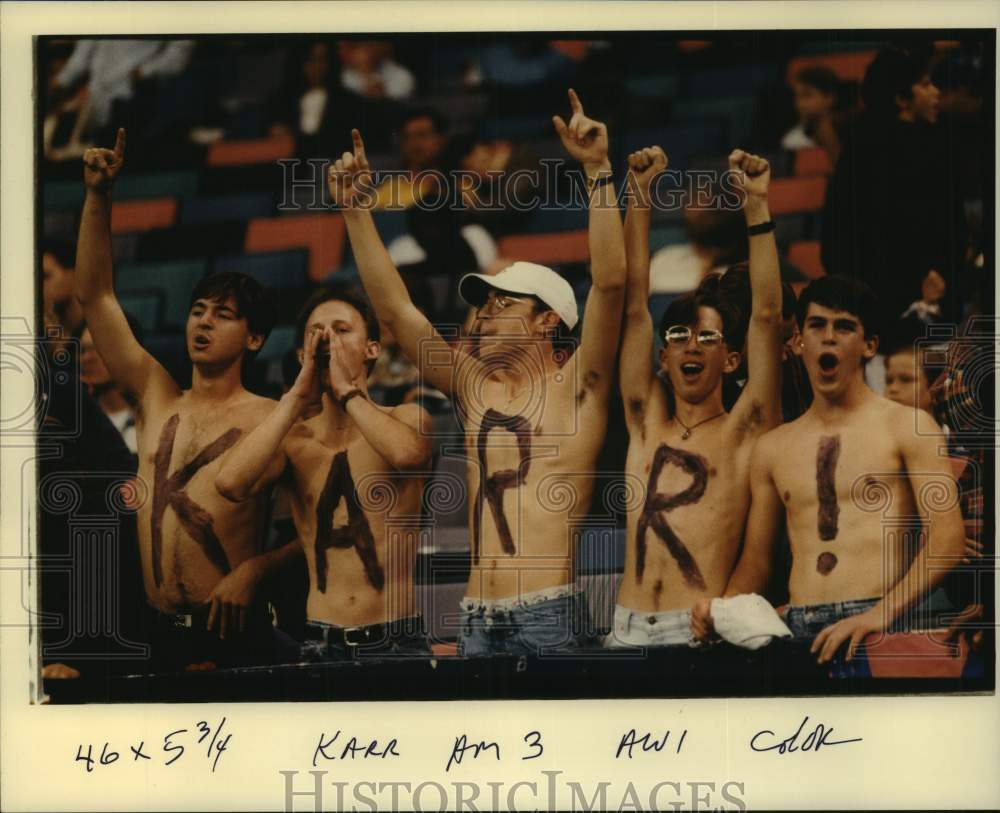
<point>761,228</point>
<point>348,396</point>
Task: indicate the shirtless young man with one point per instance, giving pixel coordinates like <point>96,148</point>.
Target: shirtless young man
<point>201,555</point>
<point>848,468</point>
<point>351,468</point>
<point>683,541</point>
<point>534,423</point>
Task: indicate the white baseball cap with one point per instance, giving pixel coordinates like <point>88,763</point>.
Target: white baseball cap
<point>524,278</point>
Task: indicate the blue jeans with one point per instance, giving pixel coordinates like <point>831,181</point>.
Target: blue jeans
<point>401,638</point>
<point>557,625</point>
<point>635,629</point>
<point>809,620</point>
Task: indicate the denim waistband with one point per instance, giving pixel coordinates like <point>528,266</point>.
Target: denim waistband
<point>494,605</point>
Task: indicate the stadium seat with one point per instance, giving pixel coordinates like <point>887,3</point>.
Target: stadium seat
<point>736,112</point>
<point>274,270</point>
<point>805,255</point>
<point>664,85</point>
<point>660,236</point>
<point>279,342</point>
<point>848,67</point>
<point>557,220</point>
<point>60,225</point>
<point>255,151</point>
<point>547,249</point>
<point>195,240</point>
<point>147,308</point>
<point>245,178</point>
<point>124,248</point>
<point>734,80</point>
<point>156,185</point>
<point>680,141</point>
<point>795,195</point>
<point>226,207</point>
<point>322,234</point>
<point>170,351</point>
<point>812,161</point>
<point>143,215</point>
<point>514,127</point>
<point>176,281</point>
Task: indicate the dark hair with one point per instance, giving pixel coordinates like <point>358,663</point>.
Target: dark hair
<point>64,252</point>
<point>684,311</point>
<point>823,79</point>
<point>893,72</point>
<point>902,336</point>
<point>373,332</point>
<point>438,119</point>
<point>841,294</point>
<point>252,302</point>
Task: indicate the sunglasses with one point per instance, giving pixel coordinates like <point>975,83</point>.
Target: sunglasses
<point>679,334</point>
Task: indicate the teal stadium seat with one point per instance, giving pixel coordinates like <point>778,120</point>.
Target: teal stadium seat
<point>147,308</point>
<point>275,270</point>
<point>175,280</point>
<point>279,342</point>
<point>215,208</point>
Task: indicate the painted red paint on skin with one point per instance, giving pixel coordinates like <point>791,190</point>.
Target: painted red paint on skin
<point>492,488</point>
<point>657,504</point>
<point>357,533</point>
<point>825,563</point>
<point>168,491</point>
<point>827,454</point>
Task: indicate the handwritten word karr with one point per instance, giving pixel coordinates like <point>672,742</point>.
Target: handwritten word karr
<point>353,749</point>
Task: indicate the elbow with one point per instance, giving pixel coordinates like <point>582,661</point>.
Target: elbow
<point>230,490</point>
<point>412,456</point>
<point>613,278</point>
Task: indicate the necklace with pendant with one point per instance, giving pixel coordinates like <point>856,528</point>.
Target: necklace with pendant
<point>689,429</point>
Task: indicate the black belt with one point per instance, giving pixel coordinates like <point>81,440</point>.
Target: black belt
<point>367,635</point>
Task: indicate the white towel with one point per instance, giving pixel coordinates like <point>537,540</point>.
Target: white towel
<point>747,621</point>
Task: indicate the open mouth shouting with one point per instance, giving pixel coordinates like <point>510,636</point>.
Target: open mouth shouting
<point>201,341</point>
<point>691,370</point>
<point>828,364</point>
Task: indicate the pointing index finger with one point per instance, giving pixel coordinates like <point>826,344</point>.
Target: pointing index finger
<point>359,145</point>
<point>120,144</point>
<point>574,102</point>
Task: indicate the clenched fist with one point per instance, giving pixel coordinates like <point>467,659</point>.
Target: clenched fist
<point>643,167</point>
<point>752,173</point>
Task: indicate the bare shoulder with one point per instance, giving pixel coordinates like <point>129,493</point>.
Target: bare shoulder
<point>411,414</point>
<point>257,406</point>
<point>907,424</point>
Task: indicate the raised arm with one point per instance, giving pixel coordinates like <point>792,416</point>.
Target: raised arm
<point>586,140</point>
<point>401,437</point>
<point>259,458</point>
<point>636,364</point>
<point>350,187</point>
<point>132,368</point>
<point>936,497</point>
<point>759,405</point>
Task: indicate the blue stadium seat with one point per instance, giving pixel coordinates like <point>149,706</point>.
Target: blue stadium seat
<point>730,81</point>
<point>279,342</point>
<point>665,85</point>
<point>680,141</point>
<point>147,308</point>
<point>176,281</point>
<point>273,269</point>
<point>545,221</point>
<point>226,207</point>
<point>660,236</point>
<point>156,185</point>
<point>736,112</point>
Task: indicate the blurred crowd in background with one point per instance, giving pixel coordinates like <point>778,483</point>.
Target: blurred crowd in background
<point>881,152</point>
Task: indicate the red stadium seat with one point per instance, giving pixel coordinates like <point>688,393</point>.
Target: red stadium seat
<point>257,151</point>
<point>143,215</point>
<point>789,196</point>
<point>547,249</point>
<point>441,650</point>
<point>804,255</point>
<point>848,67</point>
<point>812,161</point>
<point>322,234</point>
<point>916,655</point>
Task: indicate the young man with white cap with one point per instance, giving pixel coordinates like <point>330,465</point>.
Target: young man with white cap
<point>534,414</point>
<point>693,455</point>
